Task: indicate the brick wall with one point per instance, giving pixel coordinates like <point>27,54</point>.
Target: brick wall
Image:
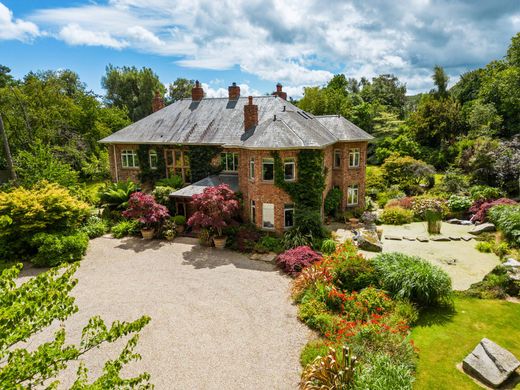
<point>117,172</point>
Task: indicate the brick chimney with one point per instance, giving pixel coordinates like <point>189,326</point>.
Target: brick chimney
<point>279,92</point>
<point>234,91</point>
<point>197,93</point>
<point>250,114</point>
<point>157,102</point>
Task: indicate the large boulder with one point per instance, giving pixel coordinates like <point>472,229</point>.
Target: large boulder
<point>490,363</point>
<point>368,240</point>
<point>484,227</point>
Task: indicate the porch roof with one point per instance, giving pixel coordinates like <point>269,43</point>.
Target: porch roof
<point>211,181</point>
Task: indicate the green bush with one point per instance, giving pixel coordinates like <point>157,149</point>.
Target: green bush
<point>95,227</point>
<point>381,372</point>
<point>484,247</point>
<point>481,192</point>
<point>332,201</point>
<point>312,350</point>
<point>162,196</point>
<point>328,246</point>
<point>269,244</point>
<point>115,196</point>
<point>173,182</point>
<point>54,249</point>
<point>459,203</point>
<point>396,216</point>
<point>495,285</point>
<point>125,228</point>
<point>353,273</point>
<point>413,279</point>
<point>507,219</point>
<point>393,192</point>
<point>179,220</point>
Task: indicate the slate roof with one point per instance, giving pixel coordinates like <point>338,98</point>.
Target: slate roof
<point>219,121</point>
<point>210,181</point>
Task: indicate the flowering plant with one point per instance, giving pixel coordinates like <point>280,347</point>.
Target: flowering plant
<point>216,207</point>
<point>294,260</point>
<point>429,208</point>
<point>146,210</point>
<point>480,208</point>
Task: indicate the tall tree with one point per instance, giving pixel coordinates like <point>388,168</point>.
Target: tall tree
<point>440,79</point>
<point>7,151</point>
<point>132,89</point>
<point>180,89</point>
<point>5,77</point>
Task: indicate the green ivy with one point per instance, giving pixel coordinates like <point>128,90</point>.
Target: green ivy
<point>200,161</point>
<point>146,174</point>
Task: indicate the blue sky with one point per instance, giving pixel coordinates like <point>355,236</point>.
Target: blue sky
<point>257,43</point>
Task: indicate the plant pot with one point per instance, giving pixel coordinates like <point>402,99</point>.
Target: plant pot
<point>353,222</point>
<point>220,242</point>
<point>434,227</point>
<point>147,233</point>
<point>379,231</point>
<point>180,229</point>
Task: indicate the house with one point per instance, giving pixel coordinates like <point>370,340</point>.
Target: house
<point>247,135</point>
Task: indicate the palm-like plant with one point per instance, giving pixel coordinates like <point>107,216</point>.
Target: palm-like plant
<point>115,196</point>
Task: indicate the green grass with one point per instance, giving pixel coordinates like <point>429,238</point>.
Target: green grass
<point>444,338</point>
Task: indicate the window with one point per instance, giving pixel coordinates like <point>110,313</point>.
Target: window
<point>253,212</point>
<point>129,159</point>
<point>180,208</point>
<point>268,169</point>
<point>178,163</point>
<point>268,215</point>
<point>288,169</point>
<point>352,195</point>
<point>353,158</point>
<point>229,162</point>
<point>252,169</point>
<point>337,158</point>
<point>153,158</point>
<point>288,216</point>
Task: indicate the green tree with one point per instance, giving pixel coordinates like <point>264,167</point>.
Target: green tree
<point>513,53</point>
<point>440,79</point>
<point>5,77</point>
<point>180,89</point>
<point>131,89</point>
<point>29,308</point>
<point>386,89</point>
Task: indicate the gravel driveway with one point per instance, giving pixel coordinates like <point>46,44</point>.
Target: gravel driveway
<point>219,320</point>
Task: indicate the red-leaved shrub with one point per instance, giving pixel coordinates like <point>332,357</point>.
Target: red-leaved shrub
<point>480,208</point>
<point>294,260</point>
<point>146,210</point>
<point>405,203</point>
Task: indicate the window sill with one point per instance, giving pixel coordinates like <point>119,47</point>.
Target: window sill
<point>268,181</point>
<point>289,180</point>
<point>131,168</point>
<point>336,168</point>
<point>356,167</point>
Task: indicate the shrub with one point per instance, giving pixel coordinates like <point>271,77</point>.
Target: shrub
<point>396,216</point>
<point>359,306</point>
<point>55,248</point>
<point>328,246</point>
<point>125,228</point>
<point>405,203</point>
<point>269,244</point>
<point>428,208</point>
<point>146,210</point>
<point>115,196</point>
<point>294,260</point>
<point>459,203</point>
<point>413,279</point>
<point>332,201</point>
<point>481,192</point>
<point>245,238</point>
<point>407,172</point>
<point>507,219</point>
<point>480,208</point>
<point>380,372</point>
<point>352,272</point>
<point>95,227</point>
<point>162,196</point>
<point>310,277</point>
<point>312,350</point>
<point>332,371</point>
<point>393,192</point>
<point>179,220</point>
<point>295,237</point>
<point>496,285</point>
<point>175,182</point>
<point>45,208</point>
<point>484,246</point>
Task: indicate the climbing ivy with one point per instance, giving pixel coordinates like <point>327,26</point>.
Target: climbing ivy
<point>147,174</point>
<point>200,161</point>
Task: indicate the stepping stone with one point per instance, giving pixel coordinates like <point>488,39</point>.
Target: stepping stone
<point>454,221</point>
<point>511,263</point>
<point>440,238</point>
<point>454,238</point>
<point>484,227</point>
<point>423,239</point>
<point>396,238</point>
<point>467,238</point>
<point>490,363</point>
<point>466,223</point>
<point>449,261</point>
<point>408,238</point>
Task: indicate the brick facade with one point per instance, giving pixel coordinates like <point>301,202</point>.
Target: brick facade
<point>117,172</point>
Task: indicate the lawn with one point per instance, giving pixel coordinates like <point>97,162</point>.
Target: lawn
<point>444,338</point>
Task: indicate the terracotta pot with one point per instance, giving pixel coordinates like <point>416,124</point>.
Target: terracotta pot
<point>180,228</point>
<point>220,242</point>
<point>147,233</point>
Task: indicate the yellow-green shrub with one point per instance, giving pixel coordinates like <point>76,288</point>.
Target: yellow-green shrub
<point>396,216</point>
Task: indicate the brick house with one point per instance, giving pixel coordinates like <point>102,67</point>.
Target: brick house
<point>246,131</point>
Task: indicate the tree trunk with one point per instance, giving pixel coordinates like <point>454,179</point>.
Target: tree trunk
<point>7,151</point>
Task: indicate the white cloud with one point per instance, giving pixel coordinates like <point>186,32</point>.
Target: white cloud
<point>245,90</point>
<point>18,29</point>
<point>73,34</point>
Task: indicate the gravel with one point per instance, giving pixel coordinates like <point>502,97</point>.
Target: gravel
<point>219,319</point>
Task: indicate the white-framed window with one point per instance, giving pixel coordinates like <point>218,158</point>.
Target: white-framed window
<point>289,169</point>
<point>252,168</point>
<point>288,216</point>
<point>153,158</point>
<point>229,161</point>
<point>178,163</point>
<point>353,195</point>
<point>268,215</point>
<point>353,158</point>
<point>337,158</point>
<point>252,212</point>
<point>129,159</point>
<point>268,169</point>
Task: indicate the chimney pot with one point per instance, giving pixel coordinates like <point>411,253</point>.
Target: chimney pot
<point>157,102</point>
<point>197,93</point>
<point>233,91</point>
<point>279,92</point>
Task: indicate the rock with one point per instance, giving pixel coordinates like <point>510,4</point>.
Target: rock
<point>454,221</point>
<point>485,227</point>
<point>396,238</point>
<point>440,238</point>
<point>423,239</point>
<point>454,238</point>
<point>408,238</point>
<point>467,238</point>
<point>466,223</point>
<point>449,261</point>
<point>369,241</point>
<point>267,257</point>
<point>511,263</point>
<point>490,363</point>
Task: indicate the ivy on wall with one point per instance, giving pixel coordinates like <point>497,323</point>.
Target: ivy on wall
<point>201,158</point>
<point>147,174</point>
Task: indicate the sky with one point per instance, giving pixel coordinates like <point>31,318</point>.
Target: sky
<point>257,43</point>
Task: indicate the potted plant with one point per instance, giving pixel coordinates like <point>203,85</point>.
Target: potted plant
<point>215,209</point>
<point>147,211</point>
<point>431,210</point>
<point>169,229</point>
<point>180,221</point>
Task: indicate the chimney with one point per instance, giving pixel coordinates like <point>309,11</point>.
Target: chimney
<point>250,114</point>
<point>234,91</point>
<point>197,93</point>
<point>157,102</point>
<point>279,92</point>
